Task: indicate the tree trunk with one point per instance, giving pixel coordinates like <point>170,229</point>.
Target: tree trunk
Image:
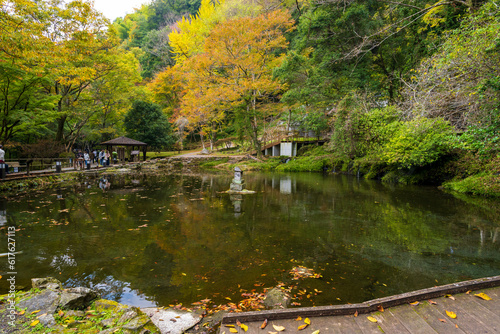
<point>60,128</point>
<point>202,141</point>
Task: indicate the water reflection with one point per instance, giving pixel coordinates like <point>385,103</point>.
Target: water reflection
<point>161,240</point>
<point>236,199</point>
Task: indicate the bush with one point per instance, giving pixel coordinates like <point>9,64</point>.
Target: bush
<point>418,142</point>
<point>482,184</point>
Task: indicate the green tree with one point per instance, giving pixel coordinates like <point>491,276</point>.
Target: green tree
<point>25,61</point>
<point>147,123</point>
<point>163,12</point>
<point>157,52</point>
<point>461,82</point>
<point>111,96</point>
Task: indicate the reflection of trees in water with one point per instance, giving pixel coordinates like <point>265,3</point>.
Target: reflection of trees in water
<point>192,244</point>
<point>108,287</point>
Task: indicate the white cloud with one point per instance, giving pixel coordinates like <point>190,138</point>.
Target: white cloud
<point>118,8</point>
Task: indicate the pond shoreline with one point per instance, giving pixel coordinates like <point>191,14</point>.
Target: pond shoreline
<point>482,184</point>
<point>80,310</point>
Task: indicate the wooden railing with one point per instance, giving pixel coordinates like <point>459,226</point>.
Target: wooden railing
<point>36,164</point>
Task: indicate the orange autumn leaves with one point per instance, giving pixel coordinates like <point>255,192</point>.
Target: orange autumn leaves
<point>236,65</point>
<point>233,67</point>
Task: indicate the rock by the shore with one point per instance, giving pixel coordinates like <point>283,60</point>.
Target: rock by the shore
<point>49,283</point>
<point>57,309</point>
<point>46,301</point>
<point>277,298</point>
<point>172,321</point>
<point>77,310</point>
<point>77,298</point>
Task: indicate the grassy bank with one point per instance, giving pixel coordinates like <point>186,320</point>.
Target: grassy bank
<point>458,172</point>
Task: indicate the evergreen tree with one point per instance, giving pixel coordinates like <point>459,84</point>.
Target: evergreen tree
<point>147,123</point>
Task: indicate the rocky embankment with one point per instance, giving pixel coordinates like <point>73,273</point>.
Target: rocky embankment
<point>48,307</point>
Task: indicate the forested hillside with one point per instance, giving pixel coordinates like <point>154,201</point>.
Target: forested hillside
<point>406,90</point>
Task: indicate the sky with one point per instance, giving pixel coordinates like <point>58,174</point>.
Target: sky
<point>118,8</point>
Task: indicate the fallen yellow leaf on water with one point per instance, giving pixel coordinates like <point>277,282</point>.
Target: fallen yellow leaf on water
<point>451,314</point>
<point>414,303</point>
<point>244,327</point>
<point>301,327</point>
<point>34,323</point>
<point>279,328</point>
<point>307,321</point>
<point>233,330</point>
<point>482,295</point>
<point>372,319</point>
<point>315,332</point>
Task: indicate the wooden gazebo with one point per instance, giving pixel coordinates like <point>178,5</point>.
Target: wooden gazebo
<point>121,142</point>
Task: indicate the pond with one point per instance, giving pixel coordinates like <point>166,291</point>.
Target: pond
<point>165,240</point>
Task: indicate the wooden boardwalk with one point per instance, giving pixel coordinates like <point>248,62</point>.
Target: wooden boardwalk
<point>423,311</point>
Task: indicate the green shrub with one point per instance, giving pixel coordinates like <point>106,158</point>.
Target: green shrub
<point>418,142</point>
<point>482,184</point>
<point>304,164</point>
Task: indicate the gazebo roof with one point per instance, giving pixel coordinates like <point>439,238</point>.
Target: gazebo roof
<point>124,141</point>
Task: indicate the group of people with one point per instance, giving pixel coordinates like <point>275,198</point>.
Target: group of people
<point>84,159</point>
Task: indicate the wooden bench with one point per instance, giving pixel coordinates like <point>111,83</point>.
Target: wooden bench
<point>14,164</point>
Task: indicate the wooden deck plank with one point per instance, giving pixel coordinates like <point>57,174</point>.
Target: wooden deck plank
<point>366,326</point>
<point>432,315</point>
<point>493,304</point>
<point>470,304</point>
<point>341,325</point>
<point>411,320</point>
<point>464,320</point>
<point>389,323</point>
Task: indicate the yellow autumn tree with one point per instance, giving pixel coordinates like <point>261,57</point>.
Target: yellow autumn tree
<point>234,73</point>
<point>189,35</point>
<point>187,38</point>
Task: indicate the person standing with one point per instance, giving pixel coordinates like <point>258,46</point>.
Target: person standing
<point>107,157</point>
<point>86,157</point>
<point>101,157</point>
<point>2,161</point>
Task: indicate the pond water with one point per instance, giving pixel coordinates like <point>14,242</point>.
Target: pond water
<point>164,240</point>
